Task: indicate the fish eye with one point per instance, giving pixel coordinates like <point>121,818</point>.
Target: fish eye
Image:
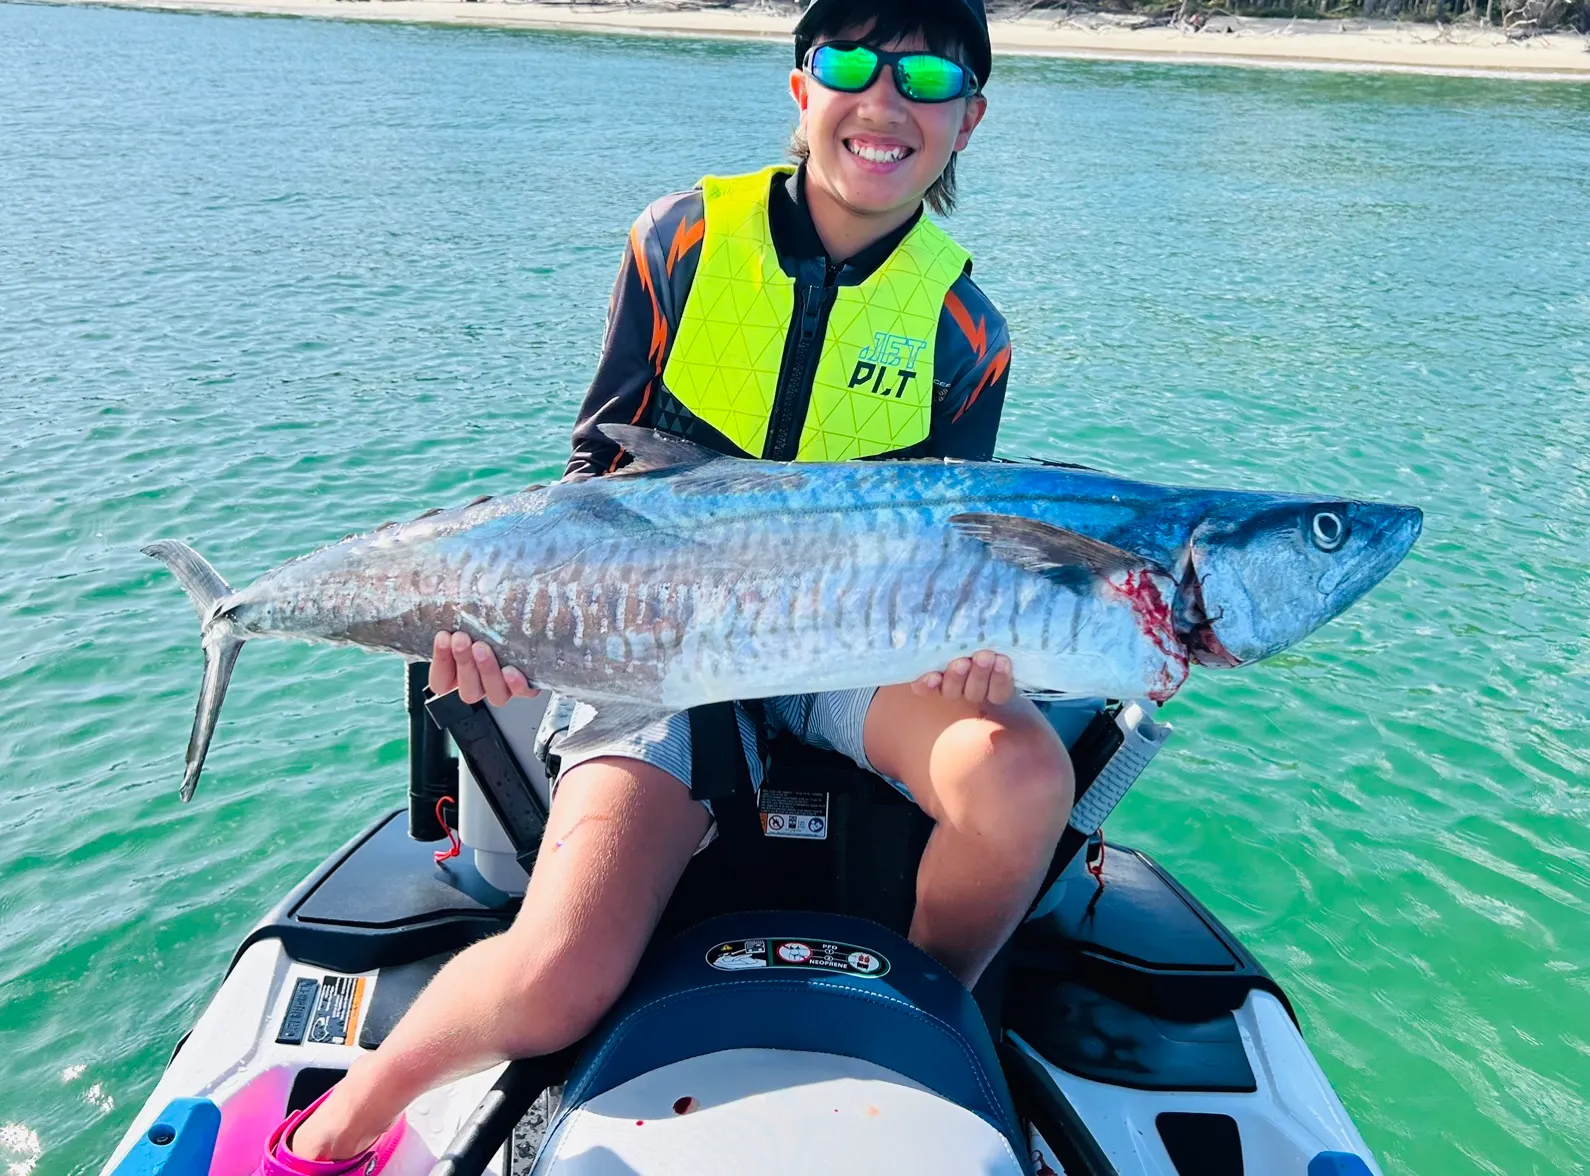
<point>1329,530</point>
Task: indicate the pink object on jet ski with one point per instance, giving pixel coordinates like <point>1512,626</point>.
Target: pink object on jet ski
<point>279,1160</point>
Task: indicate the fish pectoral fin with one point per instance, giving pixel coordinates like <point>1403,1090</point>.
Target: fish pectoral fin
<point>652,450</point>
<point>1045,549</point>
<point>1049,695</point>
<point>612,721</point>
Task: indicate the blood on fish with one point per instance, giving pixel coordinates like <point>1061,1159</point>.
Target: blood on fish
<point>1153,614</point>
<point>1168,685</point>
<point>1157,623</point>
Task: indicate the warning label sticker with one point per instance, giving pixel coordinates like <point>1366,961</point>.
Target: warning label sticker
<point>324,1011</point>
<point>742,954</point>
<point>794,814</point>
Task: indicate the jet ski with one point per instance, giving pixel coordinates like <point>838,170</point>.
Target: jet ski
<point>780,1022</point>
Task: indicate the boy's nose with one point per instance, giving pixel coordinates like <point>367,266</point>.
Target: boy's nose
<point>883,98</point>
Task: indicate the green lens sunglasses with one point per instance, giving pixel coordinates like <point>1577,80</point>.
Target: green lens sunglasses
<point>851,67</point>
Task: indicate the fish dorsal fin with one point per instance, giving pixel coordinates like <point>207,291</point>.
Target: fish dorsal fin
<point>1044,549</point>
<point>652,450</point>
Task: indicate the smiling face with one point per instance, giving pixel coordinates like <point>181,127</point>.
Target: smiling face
<point>875,154</point>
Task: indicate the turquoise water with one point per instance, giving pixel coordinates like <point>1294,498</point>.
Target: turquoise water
<point>266,282</point>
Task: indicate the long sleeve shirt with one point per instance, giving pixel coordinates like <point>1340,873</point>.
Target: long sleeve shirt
<point>972,349</point>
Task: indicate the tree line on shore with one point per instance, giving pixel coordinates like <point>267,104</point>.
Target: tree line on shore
<point>1518,18</point>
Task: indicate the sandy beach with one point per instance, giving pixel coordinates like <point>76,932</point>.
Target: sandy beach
<point>1378,46</point>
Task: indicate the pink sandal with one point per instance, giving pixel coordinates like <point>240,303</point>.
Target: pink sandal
<point>280,1161</point>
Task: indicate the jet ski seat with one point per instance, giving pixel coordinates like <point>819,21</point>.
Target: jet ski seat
<point>823,990</point>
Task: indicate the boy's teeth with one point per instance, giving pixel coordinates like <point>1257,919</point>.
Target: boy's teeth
<point>878,154</point>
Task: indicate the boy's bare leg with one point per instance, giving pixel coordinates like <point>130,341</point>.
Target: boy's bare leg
<point>997,782</point>
<point>619,835</point>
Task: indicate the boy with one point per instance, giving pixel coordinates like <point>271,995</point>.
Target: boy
<point>796,314</point>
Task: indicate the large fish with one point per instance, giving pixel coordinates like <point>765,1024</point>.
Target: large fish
<point>690,578</point>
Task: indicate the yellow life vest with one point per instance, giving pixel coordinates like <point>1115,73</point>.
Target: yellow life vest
<point>873,391</point>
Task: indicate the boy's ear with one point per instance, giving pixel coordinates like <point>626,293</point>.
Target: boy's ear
<point>798,88</point>
<point>976,107</point>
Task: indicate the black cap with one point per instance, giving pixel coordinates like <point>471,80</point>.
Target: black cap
<point>970,13</point>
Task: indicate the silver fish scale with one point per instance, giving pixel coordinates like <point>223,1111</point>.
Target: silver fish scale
<point>885,605</point>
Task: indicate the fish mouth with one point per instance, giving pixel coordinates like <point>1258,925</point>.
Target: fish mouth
<point>1194,625</point>
<point>1208,650</point>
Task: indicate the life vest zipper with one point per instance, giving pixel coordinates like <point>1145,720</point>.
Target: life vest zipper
<point>799,373</point>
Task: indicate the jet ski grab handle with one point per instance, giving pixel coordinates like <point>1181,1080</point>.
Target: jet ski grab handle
<point>433,771</point>
<point>1107,757</point>
<point>509,793</point>
<point>491,1124</point>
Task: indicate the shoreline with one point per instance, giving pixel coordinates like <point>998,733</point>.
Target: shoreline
<point>1250,42</point>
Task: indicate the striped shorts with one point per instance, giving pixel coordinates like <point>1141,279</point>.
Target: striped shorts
<point>832,721</point>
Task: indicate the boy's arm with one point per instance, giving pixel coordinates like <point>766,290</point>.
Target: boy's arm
<point>972,367</point>
<point>621,387</point>
<point>642,318</point>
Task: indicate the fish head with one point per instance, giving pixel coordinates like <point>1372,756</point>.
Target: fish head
<point>1261,578</point>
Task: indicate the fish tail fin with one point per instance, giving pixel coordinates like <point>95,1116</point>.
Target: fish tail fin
<point>199,580</point>
<point>206,589</point>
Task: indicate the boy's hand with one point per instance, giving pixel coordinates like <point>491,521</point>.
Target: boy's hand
<point>984,677</point>
<point>470,667</point>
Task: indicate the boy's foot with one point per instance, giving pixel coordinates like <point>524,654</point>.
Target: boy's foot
<point>279,1159</point>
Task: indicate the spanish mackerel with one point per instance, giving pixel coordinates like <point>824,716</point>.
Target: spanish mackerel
<point>689,577</point>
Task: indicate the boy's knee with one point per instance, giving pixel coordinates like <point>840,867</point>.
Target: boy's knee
<point>1034,784</point>
<point>1006,778</point>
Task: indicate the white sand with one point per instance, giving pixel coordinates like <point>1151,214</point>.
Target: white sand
<point>1463,50</point>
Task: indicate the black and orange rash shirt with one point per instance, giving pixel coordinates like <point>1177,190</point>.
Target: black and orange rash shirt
<point>972,351</point>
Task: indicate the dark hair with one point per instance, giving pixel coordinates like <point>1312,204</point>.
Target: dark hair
<point>887,21</point>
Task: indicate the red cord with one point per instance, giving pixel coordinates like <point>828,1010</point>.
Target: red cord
<point>442,855</point>
<point>1097,868</point>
